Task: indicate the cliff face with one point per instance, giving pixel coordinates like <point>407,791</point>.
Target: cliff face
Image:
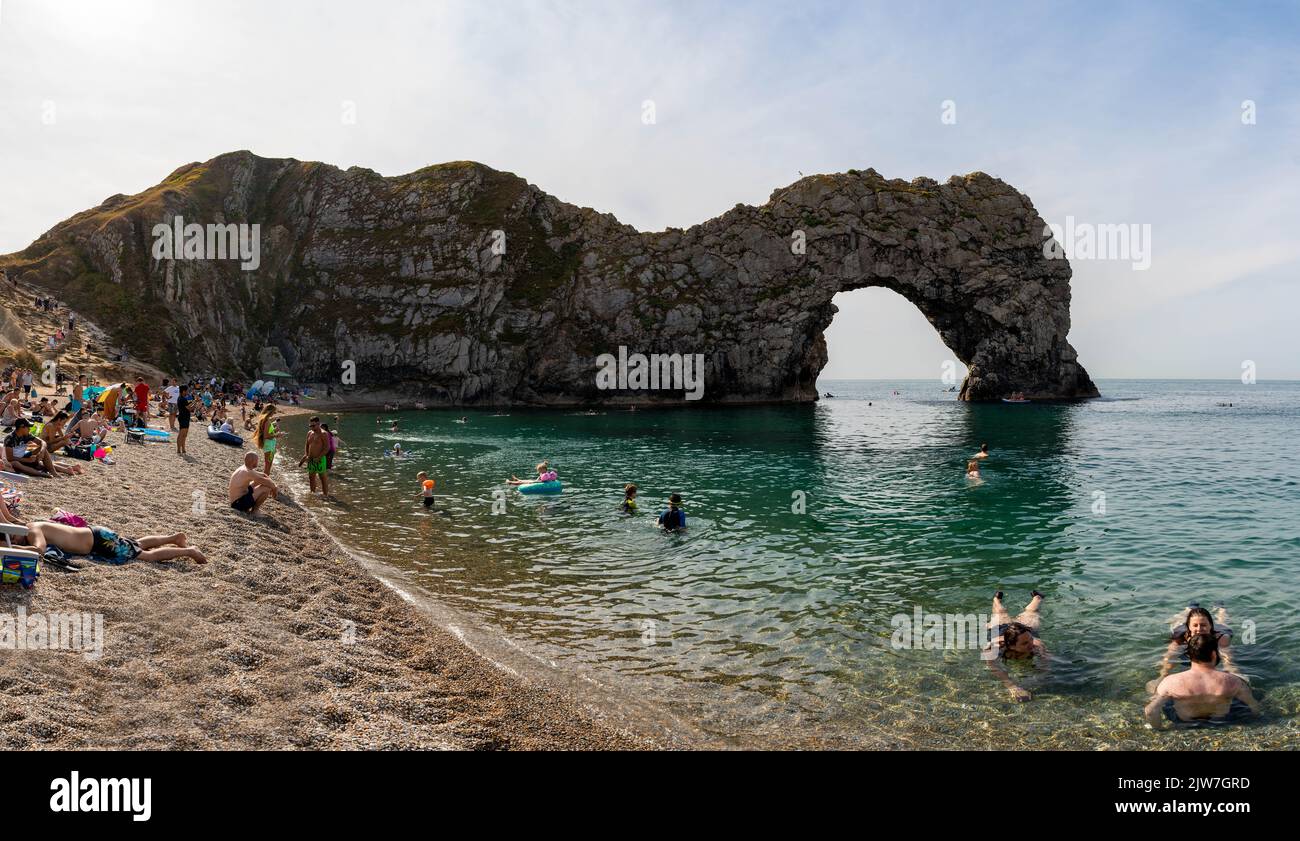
<point>402,277</point>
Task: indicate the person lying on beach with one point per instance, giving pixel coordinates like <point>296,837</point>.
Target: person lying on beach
<point>1197,620</point>
<point>674,519</point>
<point>543,470</point>
<point>43,408</point>
<point>1203,693</point>
<point>628,506</point>
<point>249,488</point>
<point>106,545</point>
<point>1015,639</point>
<point>28,454</point>
<point>426,488</point>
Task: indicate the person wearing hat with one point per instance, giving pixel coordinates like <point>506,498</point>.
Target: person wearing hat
<point>674,518</point>
<point>27,453</point>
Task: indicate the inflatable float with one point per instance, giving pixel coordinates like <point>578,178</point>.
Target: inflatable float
<point>215,434</point>
<point>552,487</point>
<point>152,433</point>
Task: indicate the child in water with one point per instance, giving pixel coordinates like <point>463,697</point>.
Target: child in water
<point>426,488</point>
<point>674,518</point>
<point>629,499</point>
<point>544,474</point>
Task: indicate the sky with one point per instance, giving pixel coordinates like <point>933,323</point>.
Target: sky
<point>1180,116</point>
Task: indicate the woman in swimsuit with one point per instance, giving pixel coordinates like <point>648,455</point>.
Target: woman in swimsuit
<point>1197,620</point>
<point>266,435</point>
<point>1015,639</point>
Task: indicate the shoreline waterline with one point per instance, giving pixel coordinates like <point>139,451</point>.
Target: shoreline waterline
<point>550,576</point>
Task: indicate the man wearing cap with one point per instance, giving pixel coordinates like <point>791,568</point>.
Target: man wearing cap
<point>26,452</point>
<point>674,518</point>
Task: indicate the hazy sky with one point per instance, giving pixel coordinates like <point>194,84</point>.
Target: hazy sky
<point>1109,113</point>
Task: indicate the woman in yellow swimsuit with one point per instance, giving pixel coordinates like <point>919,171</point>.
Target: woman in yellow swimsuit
<point>266,435</point>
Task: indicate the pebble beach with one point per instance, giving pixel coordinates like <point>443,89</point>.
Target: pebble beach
<point>282,641</point>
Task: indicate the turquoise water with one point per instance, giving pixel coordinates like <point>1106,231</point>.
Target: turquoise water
<point>767,625</point>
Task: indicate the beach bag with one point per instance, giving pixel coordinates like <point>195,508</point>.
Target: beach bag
<point>85,453</point>
<point>19,566</point>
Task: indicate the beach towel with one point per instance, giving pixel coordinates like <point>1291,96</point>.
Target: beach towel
<point>69,519</point>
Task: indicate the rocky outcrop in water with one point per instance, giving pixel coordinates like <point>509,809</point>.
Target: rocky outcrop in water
<point>470,285</point>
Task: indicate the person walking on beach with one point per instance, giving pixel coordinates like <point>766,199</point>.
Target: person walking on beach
<point>249,488</point>
<point>314,456</point>
<point>172,392</point>
<point>264,435</point>
<point>141,402</point>
<point>1015,639</point>
<point>183,402</point>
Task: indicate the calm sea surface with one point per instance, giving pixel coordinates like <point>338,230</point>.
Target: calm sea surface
<point>769,622</point>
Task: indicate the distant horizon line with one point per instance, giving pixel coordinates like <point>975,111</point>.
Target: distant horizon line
<point>1095,379</point>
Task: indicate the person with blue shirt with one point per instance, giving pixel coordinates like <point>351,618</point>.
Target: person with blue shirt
<point>674,518</point>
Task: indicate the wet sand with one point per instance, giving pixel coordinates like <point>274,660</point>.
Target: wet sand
<point>281,641</point>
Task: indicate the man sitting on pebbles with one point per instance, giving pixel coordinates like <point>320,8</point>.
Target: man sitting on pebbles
<point>249,487</point>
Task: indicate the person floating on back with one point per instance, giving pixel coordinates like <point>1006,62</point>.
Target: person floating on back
<point>1202,694</point>
<point>628,505</point>
<point>674,519</point>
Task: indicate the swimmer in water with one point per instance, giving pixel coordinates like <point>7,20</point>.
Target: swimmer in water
<point>1015,639</point>
<point>1197,620</point>
<point>463,420</point>
<point>674,519</point>
<point>1203,693</point>
<point>983,453</point>
<point>397,450</point>
<point>628,505</point>
<point>393,428</point>
<point>973,471</point>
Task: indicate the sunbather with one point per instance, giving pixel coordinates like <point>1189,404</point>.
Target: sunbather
<point>107,545</point>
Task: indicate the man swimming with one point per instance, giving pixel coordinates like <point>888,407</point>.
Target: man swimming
<point>1202,694</point>
<point>1015,639</point>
